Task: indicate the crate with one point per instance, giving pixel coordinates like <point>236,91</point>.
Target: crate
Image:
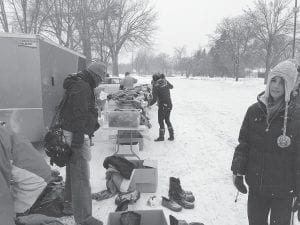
<point>148,217</point>
<point>127,137</point>
<point>145,178</point>
<point>124,118</point>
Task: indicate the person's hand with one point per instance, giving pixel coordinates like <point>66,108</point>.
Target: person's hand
<point>238,182</point>
<point>296,208</point>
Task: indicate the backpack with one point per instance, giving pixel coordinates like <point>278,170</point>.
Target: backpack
<point>55,144</point>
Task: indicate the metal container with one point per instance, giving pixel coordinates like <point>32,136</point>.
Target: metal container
<point>32,71</point>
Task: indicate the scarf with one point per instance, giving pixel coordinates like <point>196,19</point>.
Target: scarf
<point>274,107</point>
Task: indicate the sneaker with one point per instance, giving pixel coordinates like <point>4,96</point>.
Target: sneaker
<point>68,209</point>
<point>170,204</point>
<point>132,196</point>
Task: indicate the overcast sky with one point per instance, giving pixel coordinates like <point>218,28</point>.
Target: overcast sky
<point>189,22</point>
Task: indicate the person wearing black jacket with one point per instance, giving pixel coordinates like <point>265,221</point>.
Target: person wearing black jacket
<point>161,95</point>
<point>268,154</point>
<point>79,122</point>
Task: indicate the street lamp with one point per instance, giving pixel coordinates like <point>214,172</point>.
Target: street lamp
<point>295,24</point>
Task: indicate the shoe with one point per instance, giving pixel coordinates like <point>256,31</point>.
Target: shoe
<point>68,209</point>
<point>161,135</point>
<point>102,195</point>
<point>174,185</point>
<point>132,196</point>
<point>92,221</point>
<point>172,205</point>
<point>171,133</point>
<point>180,201</point>
<point>123,206</point>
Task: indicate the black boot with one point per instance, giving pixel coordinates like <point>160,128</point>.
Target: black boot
<point>176,194</point>
<point>174,184</point>
<point>161,135</point>
<point>171,133</point>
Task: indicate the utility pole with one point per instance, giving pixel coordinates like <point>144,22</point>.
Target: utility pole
<point>295,25</point>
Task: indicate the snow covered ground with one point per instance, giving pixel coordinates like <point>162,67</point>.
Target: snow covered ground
<point>207,116</point>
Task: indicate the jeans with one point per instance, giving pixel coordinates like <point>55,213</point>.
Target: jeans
<point>77,186</point>
<point>259,207</point>
<point>164,115</point>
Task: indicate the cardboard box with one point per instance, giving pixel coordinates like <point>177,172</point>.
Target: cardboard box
<point>144,179</point>
<point>148,217</point>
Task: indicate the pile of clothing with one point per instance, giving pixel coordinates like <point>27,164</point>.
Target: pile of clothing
<point>118,173</point>
<point>136,98</point>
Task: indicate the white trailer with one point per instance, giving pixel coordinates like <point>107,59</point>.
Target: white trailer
<point>31,74</point>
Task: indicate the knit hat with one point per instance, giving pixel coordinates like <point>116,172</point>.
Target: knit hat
<point>287,70</point>
<point>98,68</point>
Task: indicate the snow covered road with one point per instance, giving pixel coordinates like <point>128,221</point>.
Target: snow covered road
<point>207,115</point>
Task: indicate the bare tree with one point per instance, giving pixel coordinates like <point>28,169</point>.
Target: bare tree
<point>270,20</point>
<point>61,22</point>
<point>235,36</point>
<point>29,16</point>
<point>179,54</point>
<point>132,24</point>
<point>3,17</point>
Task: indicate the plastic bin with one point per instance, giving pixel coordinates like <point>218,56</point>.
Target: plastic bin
<point>130,119</point>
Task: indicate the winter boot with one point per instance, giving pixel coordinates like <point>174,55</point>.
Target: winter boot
<point>176,195</point>
<point>175,185</point>
<point>189,195</point>
<point>171,133</point>
<point>170,204</point>
<point>161,135</point>
<point>130,218</point>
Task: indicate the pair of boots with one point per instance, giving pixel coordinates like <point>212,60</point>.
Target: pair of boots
<point>174,221</point>
<point>162,134</point>
<point>178,198</point>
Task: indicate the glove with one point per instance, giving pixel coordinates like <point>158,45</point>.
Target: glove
<point>238,182</point>
<point>77,140</point>
<point>296,207</point>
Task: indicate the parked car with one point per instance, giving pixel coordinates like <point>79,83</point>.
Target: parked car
<point>110,85</point>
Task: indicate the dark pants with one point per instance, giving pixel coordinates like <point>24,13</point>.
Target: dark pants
<point>164,115</point>
<point>260,206</point>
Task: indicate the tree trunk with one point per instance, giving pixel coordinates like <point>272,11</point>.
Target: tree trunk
<point>268,63</point>
<point>267,69</point>
<point>3,17</point>
<point>115,69</point>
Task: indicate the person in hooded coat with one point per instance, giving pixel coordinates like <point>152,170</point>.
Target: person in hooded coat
<point>79,122</point>
<point>24,174</point>
<point>161,95</point>
<point>268,154</point>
